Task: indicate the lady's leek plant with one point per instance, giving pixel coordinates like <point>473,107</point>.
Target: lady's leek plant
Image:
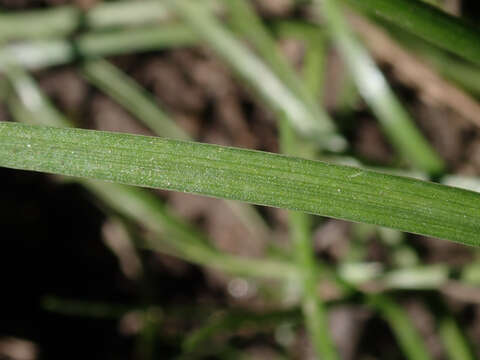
<point>114,167</point>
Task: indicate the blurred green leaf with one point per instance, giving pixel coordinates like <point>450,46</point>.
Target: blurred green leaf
<point>373,86</point>
<point>429,23</point>
<point>49,52</point>
<point>408,338</point>
<point>256,74</point>
<point>454,340</point>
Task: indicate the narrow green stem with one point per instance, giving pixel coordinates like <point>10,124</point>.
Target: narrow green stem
<point>314,311</point>
<point>405,332</point>
<point>455,342</point>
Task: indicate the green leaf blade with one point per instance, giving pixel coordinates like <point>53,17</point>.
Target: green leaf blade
<point>251,176</point>
<point>429,23</point>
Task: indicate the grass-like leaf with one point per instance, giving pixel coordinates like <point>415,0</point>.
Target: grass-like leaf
<point>373,86</point>
<point>251,176</point>
<point>49,52</point>
<point>429,23</point>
